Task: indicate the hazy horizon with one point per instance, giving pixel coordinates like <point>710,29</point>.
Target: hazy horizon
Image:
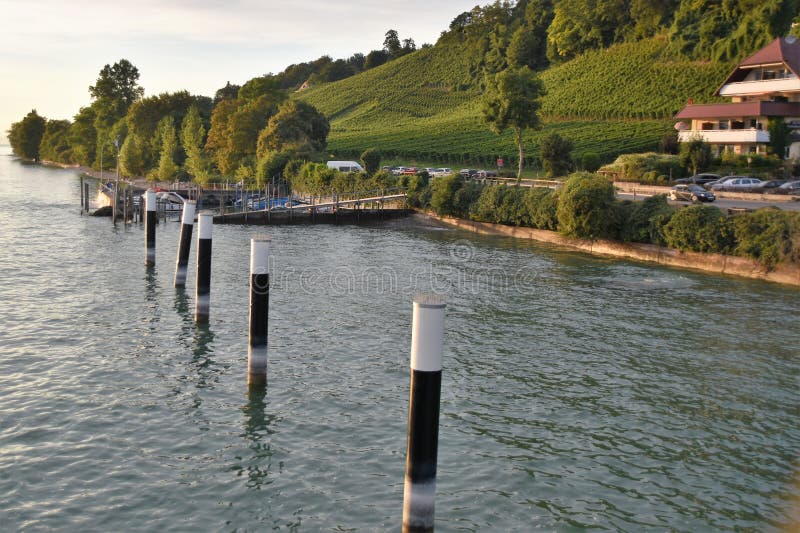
<point>55,51</point>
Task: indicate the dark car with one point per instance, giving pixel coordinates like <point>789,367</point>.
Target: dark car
<point>691,193</point>
<point>468,172</point>
<point>700,179</point>
<point>791,187</point>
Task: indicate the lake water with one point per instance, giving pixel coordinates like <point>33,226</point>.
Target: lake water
<point>577,392</point>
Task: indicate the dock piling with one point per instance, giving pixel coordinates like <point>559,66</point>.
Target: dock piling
<point>149,227</point>
<point>259,311</point>
<point>427,336</point>
<point>205,223</point>
<point>185,244</point>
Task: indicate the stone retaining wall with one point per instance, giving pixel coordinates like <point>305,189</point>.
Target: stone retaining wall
<point>716,263</point>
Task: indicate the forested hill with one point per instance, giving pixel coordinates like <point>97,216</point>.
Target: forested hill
<point>615,72</point>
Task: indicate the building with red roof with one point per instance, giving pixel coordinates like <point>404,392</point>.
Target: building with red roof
<point>765,85</point>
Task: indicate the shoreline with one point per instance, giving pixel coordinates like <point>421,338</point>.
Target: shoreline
<point>648,253</point>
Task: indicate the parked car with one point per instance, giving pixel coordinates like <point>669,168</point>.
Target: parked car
<point>691,193</point>
<point>409,170</point>
<point>439,172</point>
<point>700,179</point>
<point>486,174</point>
<point>737,183</point>
<point>769,186</point>
<point>790,187</point>
<point>468,172</point>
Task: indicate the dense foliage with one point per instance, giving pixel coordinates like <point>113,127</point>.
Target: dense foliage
<point>585,208</point>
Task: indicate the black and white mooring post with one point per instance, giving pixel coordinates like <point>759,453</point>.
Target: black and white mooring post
<point>259,311</point>
<point>150,228</point>
<point>205,222</point>
<point>427,338</point>
<point>187,224</point>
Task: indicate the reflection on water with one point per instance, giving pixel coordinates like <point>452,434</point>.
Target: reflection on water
<point>257,431</point>
<point>576,393</point>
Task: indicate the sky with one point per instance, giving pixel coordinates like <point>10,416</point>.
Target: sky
<point>51,51</point>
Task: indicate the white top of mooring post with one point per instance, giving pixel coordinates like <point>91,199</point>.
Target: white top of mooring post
<point>205,221</point>
<point>189,207</point>
<point>259,254</point>
<point>150,200</point>
<point>427,332</point>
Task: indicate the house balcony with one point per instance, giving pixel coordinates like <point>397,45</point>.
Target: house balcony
<point>749,88</point>
<point>749,136</point>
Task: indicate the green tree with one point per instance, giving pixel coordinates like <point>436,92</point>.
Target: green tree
<point>695,154</point>
<point>83,136</point>
<point>392,44</point>
<point>297,126</point>
<point>193,135</point>
<point>234,133</point>
<point>132,158</point>
<point>26,136</point>
<point>267,85</point>
<point>375,58</point>
<point>581,25</point>
<point>116,89</point>
<point>229,92</point>
<point>586,207</point>
<point>528,44</point>
<point>590,161</point>
<point>371,158</point>
<point>778,136</point>
<point>167,169</point>
<point>513,100</point>
<point>556,154</point>
<point>54,145</point>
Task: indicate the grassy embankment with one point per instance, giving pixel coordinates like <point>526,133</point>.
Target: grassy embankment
<point>424,108</point>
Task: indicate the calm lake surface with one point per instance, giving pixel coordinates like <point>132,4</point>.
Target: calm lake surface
<point>577,392</point>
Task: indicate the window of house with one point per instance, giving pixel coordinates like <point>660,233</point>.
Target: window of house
<point>723,125</point>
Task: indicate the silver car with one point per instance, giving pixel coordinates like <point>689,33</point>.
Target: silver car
<point>737,183</point>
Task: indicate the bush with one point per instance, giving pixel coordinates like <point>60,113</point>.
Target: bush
<point>645,220</point>
<point>542,207</point>
<point>586,207</point>
<point>556,154</point>
<point>695,155</point>
<point>764,235</point>
<point>371,159</point>
<point>590,162</point>
<point>648,167</point>
<point>699,228</point>
<point>487,206</point>
<point>443,191</point>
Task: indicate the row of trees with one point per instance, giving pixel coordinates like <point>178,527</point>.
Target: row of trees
<point>177,135</point>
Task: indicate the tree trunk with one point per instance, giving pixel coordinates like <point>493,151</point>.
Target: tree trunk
<point>521,154</point>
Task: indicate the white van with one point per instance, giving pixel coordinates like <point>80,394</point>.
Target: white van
<point>345,166</point>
